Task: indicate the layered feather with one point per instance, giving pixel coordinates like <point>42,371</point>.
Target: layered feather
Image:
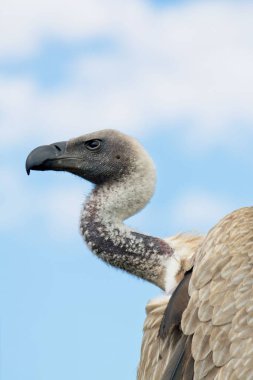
<point>219,315</point>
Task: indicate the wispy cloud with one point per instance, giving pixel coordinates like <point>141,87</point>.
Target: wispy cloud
<point>13,202</point>
<point>56,207</point>
<point>198,211</point>
<point>63,207</point>
<point>24,25</point>
<point>190,65</point>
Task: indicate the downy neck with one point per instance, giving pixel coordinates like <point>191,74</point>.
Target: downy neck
<point>111,240</point>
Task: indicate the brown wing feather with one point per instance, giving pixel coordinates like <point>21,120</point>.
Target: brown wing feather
<point>157,350</point>
<point>166,354</point>
<point>219,315</point>
<point>176,306</point>
<point>181,361</point>
<point>153,360</point>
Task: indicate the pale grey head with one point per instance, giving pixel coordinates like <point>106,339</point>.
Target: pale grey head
<point>124,178</point>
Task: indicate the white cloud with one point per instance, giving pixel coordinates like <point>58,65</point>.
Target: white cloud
<point>57,209</point>
<point>63,208</point>
<point>13,202</point>
<point>191,63</point>
<point>198,211</point>
<point>24,24</point>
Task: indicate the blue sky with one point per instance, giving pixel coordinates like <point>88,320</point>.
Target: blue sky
<point>178,76</point>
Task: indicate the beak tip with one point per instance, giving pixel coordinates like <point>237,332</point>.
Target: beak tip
<point>27,167</point>
<point>41,158</point>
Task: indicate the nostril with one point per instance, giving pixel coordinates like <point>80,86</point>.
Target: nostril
<point>57,147</point>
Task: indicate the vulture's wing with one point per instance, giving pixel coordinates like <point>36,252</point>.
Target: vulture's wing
<point>162,332</point>
<point>219,316</point>
<point>165,349</point>
<point>181,361</point>
<point>152,361</point>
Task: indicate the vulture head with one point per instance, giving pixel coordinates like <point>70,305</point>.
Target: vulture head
<point>98,157</point>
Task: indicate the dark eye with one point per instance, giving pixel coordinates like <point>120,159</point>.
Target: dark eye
<point>93,144</point>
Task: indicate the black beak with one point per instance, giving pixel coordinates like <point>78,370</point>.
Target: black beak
<point>46,157</point>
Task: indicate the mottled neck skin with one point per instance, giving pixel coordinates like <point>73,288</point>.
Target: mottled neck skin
<point>111,240</point>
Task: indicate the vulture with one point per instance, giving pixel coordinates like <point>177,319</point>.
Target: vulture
<point>202,327</point>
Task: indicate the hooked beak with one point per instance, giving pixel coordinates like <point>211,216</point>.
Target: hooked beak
<point>47,157</point>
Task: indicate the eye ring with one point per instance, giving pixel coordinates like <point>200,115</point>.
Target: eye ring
<point>93,144</point>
